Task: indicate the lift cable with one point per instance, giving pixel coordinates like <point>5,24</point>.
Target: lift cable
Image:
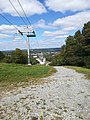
<point>9,22</point>
<point>24,12</point>
<point>17,12</point>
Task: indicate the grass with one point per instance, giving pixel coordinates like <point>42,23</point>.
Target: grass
<point>85,71</point>
<point>15,73</point>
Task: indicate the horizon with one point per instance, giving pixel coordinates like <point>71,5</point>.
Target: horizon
<point>31,49</point>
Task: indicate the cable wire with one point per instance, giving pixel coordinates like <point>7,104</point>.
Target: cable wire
<point>8,21</point>
<point>17,12</point>
<point>24,12</point>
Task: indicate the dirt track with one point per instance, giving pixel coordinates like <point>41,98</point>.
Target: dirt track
<point>67,97</point>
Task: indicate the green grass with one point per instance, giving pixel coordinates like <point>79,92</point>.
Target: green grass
<point>86,71</point>
<point>10,73</point>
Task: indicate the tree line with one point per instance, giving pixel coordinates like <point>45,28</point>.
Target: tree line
<point>18,56</point>
<point>76,51</point>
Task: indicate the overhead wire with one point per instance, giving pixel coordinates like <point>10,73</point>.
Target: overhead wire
<point>8,21</point>
<point>20,17</point>
<point>17,12</point>
<point>24,12</point>
<point>27,19</point>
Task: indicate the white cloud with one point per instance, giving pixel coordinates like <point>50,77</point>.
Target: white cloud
<point>67,25</point>
<point>11,29</point>
<point>30,7</point>
<point>65,5</point>
<point>51,42</point>
<point>12,45</point>
<point>40,24</point>
<point>61,36</point>
<point>43,24</point>
<point>5,36</point>
<point>74,21</point>
<point>8,29</point>
<point>63,26</point>
<point>54,33</point>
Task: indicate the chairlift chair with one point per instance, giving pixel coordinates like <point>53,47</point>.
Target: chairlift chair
<point>32,34</point>
<point>16,37</point>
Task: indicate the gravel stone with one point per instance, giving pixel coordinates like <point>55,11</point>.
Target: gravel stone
<point>67,97</point>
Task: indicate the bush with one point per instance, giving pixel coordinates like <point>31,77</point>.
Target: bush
<point>7,59</point>
<point>19,57</point>
<point>1,56</point>
<point>87,61</point>
<point>33,61</point>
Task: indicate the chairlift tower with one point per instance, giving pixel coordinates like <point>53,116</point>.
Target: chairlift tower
<point>28,35</point>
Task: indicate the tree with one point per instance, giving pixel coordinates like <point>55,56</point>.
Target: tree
<point>1,55</point>
<point>70,41</point>
<point>33,61</point>
<point>86,33</point>
<point>77,49</point>
<point>19,57</point>
<point>79,38</point>
<point>7,59</point>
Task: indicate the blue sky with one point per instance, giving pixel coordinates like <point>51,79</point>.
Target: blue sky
<point>53,21</point>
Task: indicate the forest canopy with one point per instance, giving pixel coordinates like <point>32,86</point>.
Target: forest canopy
<point>76,51</point>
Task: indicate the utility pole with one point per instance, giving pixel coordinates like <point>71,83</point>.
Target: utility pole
<point>28,35</point>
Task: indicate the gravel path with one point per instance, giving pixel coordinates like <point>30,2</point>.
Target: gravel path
<point>67,97</point>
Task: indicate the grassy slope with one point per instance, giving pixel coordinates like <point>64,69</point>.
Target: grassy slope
<point>81,70</point>
<point>17,73</point>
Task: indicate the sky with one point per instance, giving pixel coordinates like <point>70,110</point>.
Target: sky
<point>52,20</point>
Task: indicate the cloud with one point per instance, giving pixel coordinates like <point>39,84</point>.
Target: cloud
<point>11,29</point>
<point>11,45</point>
<point>54,33</point>
<point>51,42</point>
<point>43,24</point>
<point>40,24</point>
<point>74,21</point>
<point>5,36</point>
<point>30,7</point>
<point>8,29</point>
<point>67,5</point>
<point>67,25</point>
<point>63,26</point>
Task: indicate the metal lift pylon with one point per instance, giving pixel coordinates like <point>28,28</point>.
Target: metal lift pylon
<point>28,34</point>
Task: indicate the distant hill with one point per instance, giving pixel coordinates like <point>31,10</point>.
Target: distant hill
<point>36,50</point>
<point>46,50</point>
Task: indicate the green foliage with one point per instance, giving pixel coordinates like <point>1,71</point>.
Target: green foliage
<point>19,57</point>
<point>86,71</point>
<point>87,61</point>
<point>10,73</point>
<point>33,61</point>
<point>48,57</point>
<point>76,52</point>
<point>86,33</point>
<point>1,55</point>
<point>7,59</point>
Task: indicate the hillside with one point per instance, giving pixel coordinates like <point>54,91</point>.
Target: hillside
<point>76,52</point>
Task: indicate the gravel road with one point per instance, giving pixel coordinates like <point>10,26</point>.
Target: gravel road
<point>65,97</point>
